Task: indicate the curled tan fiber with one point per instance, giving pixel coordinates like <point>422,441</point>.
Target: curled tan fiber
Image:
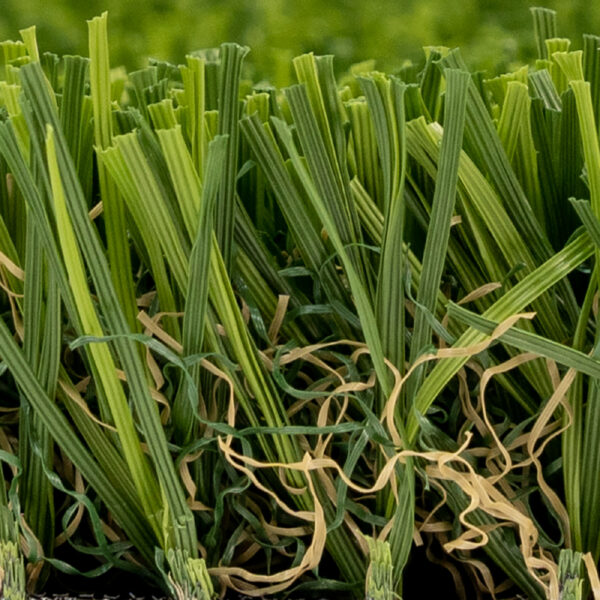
<point>482,492</point>
<point>277,321</point>
<point>71,393</point>
<point>12,299</point>
<point>153,327</point>
<point>76,519</point>
<point>11,267</point>
<point>592,571</point>
<point>389,410</point>
<point>312,555</point>
<point>485,379</point>
<point>501,507</point>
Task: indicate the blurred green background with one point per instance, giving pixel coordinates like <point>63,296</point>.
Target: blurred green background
<point>493,33</point>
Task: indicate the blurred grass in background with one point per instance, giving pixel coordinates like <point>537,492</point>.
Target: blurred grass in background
<point>389,31</point>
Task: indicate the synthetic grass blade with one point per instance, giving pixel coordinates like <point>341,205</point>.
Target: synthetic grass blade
<point>303,224</point>
<point>544,27</point>
<point>385,99</point>
<point>194,88</point>
<point>128,515</point>
<point>442,209</point>
<point>325,174</point>
<point>114,211</point>
<point>182,527</point>
<point>491,155</point>
<point>100,354</point>
<point>231,57</point>
<point>529,342</point>
<point>42,347</point>
<point>527,290</point>
<point>195,314</point>
<point>572,66</point>
<point>361,297</point>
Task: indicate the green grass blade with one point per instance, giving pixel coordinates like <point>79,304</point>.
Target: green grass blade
<point>182,526</point>
<point>529,342</point>
<point>232,57</point>
<point>196,303</point>
<point>572,438</point>
<point>194,86</point>
<point>386,104</point>
<point>483,141</point>
<point>361,297</point>
<point>325,172</point>
<point>114,211</point>
<point>443,207</point>
<point>572,66</point>
<point>544,27</point>
<point>301,224</point>
<point>591,68</point>
<point>148,187</point>
<point>41,346</point>
<point>155,260</point>
<point>186,180</point>
<point>128,516</point>
<point>519,297</point>
<point>71,105</point>
<point>100,354</point>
